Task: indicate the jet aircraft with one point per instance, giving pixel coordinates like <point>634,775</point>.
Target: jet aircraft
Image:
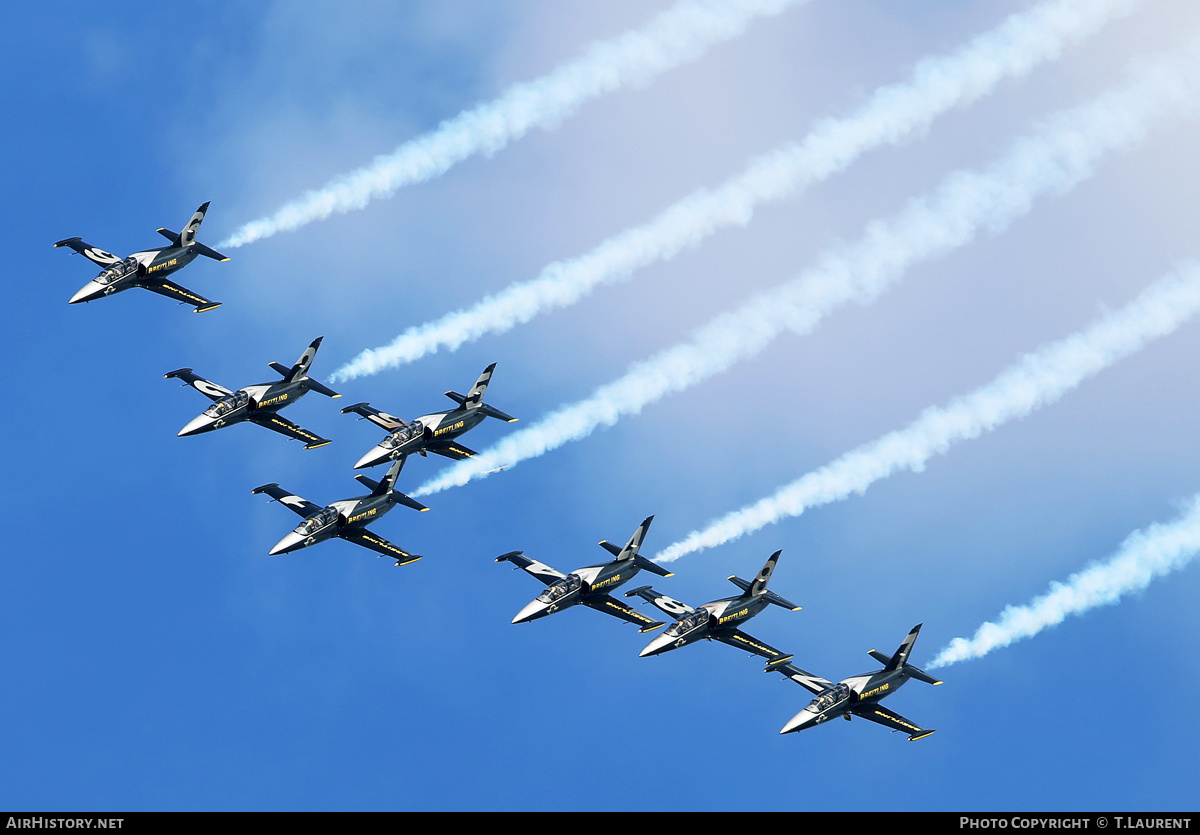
<point>859,695</point>
<point>433,432</point>
<point>347,518</point>
<point>718,619</point>
<point>590,585</point>
<point>148,269</point>
<point>259,403</point>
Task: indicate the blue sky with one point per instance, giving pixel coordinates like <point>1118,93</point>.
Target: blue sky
<point>154,656</point>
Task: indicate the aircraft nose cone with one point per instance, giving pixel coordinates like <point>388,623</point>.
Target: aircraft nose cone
<point>803,719</point>
<point>196,425</point>
<point>659,644</point>
<point>377,455</point>
<point>289,543</point>
<point>533,610</point>
<point>87,292</point>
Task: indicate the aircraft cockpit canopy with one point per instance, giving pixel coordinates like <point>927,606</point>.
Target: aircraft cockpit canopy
<point>227,404</point>
<point>401,436</point>
<point>687,624</point>
<point>118,271</point>
<point>561,588</point>
<point>315,523</point>
<point>830,697</point>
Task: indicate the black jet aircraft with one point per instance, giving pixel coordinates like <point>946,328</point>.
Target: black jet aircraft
<point>591,584</point>
<point>259,403</point>
<point>719,619</point>
<point>433,432</point>
<point>148,269</point>
<point>859,695</point>
<point>347,518</point>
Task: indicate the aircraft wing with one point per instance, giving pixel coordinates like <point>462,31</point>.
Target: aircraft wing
<point>93,254</point>
<point>738,638</point>
<point>891,719</point>
<point>363,537</point>
<point>810,682</point>
<point>533,568</point>
<point>450,449</point>
<point>285,427</point>
<point>666,604</point>
<point>180,294</point>
<point>611,606</point>
<point>381,419</point>
<point>302,507</point>
<point>206,387</point>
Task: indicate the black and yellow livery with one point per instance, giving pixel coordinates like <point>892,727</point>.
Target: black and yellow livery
<point>346,519</point>
<point>591,584</point>
<point>259,403</point>
<point>859,695</point>
<point>147,269</point>
<point>435,432</point>
<point>718,620</point>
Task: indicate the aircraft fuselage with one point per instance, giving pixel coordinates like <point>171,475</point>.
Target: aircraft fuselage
<point>245,403</point>
<point>847,697</point>
<point>723,619</point>
<point>141,269</point>
<point>333,520</point>
<point>580,585</point>
<point>420,433</point>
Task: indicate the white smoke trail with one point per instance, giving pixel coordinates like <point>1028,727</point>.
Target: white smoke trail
<point>892,114</point>
<point>1144,556</point>
<point>1052,160</point>
<point>1037,380</point>
<point>680,34</point>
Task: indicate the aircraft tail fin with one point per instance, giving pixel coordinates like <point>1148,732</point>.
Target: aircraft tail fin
<point>388,486</point>
<point>900,659</point>
<point>474,398</point>
<point>759,586</point>
<point>630,551</point>
<point>188,236</point>
<point>300,369</point>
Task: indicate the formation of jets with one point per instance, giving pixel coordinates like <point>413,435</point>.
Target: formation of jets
<point>438,432</point>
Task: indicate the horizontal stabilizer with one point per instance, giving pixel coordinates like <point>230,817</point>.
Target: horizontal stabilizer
<point>209,251</point>
<point>492,411</point>
<point>173,237</point>
<point>460,399</point>
<point>370,483</point>
<point>321,388</point>
<point>280,368</point>
<point>885,660</point>
<point>407,501</point>
<point>921,675</point>
<point>771,597</point>
<point>651,566</point>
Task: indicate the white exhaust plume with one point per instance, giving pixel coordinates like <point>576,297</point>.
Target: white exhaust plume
<point>680,34</point>
<point>891,115</point>
<point>1055,159</point>
<point>1144,556</point>
<point>1037,380</point>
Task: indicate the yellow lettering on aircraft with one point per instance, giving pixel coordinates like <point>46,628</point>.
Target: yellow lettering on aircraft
<point>446,429</point>
<point>880,689</point>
